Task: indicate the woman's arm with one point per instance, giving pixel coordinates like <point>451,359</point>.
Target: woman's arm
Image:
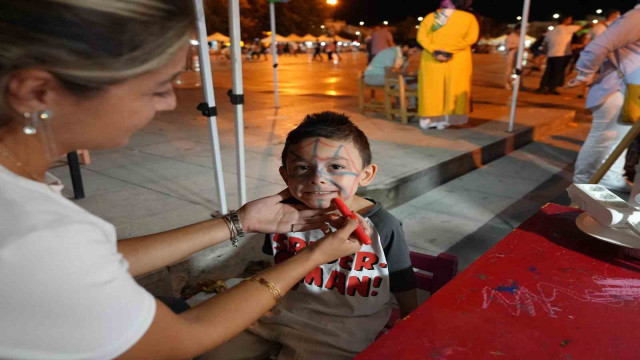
<point>217,320</point>
<point>267,215</point>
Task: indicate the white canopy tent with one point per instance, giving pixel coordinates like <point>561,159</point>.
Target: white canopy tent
<point>218,37</point>
<point>294,38</point>
<point>269,39</point>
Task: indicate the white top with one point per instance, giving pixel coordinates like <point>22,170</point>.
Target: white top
<point>559,40</point>
<point>344,303</point>
<point>66,291</point>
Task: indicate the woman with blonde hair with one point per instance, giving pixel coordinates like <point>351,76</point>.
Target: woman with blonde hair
<point>86,74</point>
<point>444,80</point>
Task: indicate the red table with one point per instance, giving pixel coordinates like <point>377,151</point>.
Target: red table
<point>546,291</point>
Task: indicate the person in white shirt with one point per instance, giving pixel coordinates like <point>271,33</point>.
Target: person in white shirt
<point>87,75</point>
<point>558,43</point>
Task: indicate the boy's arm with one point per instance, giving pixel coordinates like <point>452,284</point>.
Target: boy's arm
<point>407,301</point>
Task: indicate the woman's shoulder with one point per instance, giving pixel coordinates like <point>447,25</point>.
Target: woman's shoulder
<point>29,209</point>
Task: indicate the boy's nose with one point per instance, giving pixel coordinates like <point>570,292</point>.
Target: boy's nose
<point>317,178</point>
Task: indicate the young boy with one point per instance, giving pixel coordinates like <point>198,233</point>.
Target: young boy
<point>338,309</point>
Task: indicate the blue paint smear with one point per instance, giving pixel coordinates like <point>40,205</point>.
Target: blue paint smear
<point>337,153</point>
<point>533,269</point>
<point>510,289</point>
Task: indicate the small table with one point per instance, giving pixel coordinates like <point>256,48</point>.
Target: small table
<point>546,291</point>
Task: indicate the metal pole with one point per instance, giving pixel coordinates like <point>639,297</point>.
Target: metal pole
<point>209,110</point>
<point>518,74</point>
<point>274,52</point>
<point>237,96</point>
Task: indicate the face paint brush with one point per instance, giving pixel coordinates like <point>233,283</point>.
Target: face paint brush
<point>345,211</point>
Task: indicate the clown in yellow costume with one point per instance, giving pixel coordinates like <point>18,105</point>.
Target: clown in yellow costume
<point>444,80</point>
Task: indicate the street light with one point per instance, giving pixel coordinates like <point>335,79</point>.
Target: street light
<point>555,16</point>
<point>519,18</point>
<point>361,23</point>
<point>321,26</point>
<point>599,11</point>
<point>385,22</point>
<point>550,28</point>
<point>332,2</point>
<point>358,33</point>
<point>595,21</point>
<point>420,18</point>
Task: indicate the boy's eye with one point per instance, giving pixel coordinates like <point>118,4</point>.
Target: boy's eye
<point>336,167</point>
<point>300,168</point>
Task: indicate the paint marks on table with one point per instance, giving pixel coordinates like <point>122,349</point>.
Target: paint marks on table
<point>544,299</point>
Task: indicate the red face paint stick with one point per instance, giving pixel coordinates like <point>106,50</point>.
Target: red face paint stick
<point>344,210</point>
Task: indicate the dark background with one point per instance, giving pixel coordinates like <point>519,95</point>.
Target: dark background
<point>376,11</point>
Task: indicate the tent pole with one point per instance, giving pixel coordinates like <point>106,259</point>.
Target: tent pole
<point>208,107</point>
<point>274,52</point>
<point>518,74</point>
<point>237,96</point>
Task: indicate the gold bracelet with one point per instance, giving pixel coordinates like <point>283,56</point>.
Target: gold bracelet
<point>277,296</point>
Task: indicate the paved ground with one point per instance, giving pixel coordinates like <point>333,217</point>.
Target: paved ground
<point>163,178</point>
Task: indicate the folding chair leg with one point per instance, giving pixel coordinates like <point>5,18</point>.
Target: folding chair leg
<point>403,102</point>
<point>76,176</point>
<point>387,104</point>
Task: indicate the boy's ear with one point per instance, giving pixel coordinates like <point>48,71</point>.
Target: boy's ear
<point>368,173</point>
<point>283,173</point>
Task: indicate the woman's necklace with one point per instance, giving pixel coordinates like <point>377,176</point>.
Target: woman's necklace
<point>5,153</point>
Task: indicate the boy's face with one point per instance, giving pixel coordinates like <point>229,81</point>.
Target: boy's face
<point>320,169</point>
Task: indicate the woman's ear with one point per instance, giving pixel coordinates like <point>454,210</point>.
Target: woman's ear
<point>31,90</point>
<point>367,175</point>
<point>283,173</point>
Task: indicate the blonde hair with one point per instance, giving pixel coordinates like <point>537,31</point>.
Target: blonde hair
<point>90,44</point>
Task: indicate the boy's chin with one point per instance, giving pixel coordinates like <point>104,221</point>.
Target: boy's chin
<point>324,204</point>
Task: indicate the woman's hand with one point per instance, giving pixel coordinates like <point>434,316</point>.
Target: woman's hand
<point>270,216</point>
<point>335,245</point>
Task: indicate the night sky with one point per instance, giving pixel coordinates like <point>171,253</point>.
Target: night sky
<point>375,11</point>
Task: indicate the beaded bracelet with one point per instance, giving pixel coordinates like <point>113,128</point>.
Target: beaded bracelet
<point>277,296</point>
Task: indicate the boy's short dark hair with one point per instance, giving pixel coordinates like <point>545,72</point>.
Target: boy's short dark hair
<point>330,125</point>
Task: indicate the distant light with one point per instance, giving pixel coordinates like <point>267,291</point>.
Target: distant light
<point>417,26</point>
<point>356,43</point>
<point>361,23</point>
<point>339,43</point>
<point>550,28</point>
<point>420,18</point>
<point>599,11</point>
<point>322,43</point>
<point>527,43</point>
<point>357,32</point>
<point>555,16</point>
<point>321,26</point>
<point>332,2</point>
<point>595,21</point>
<point>501,48</point>
<point>519,18</point>
<point>385,22</point>
<point>194,42</point>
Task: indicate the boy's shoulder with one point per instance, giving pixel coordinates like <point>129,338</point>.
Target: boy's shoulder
<point>383,220</point>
